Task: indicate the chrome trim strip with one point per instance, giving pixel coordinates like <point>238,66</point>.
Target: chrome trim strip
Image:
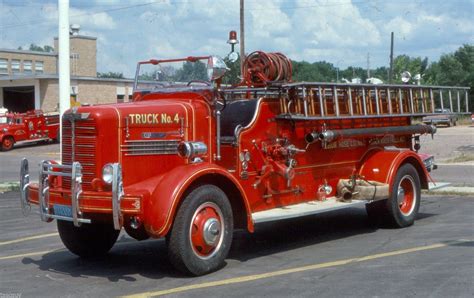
<point>117,194</point>
<point>76,190</point>
<point>24,184</point>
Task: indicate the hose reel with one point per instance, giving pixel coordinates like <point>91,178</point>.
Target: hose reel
<point>262,68</point>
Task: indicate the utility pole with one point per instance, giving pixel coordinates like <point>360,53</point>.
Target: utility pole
<point>390,74</point>
<point>64,71</point>
<point>242,37</point>
<point>368,65</point>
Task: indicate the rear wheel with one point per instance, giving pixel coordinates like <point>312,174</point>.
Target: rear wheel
<point>7,143</point>
<point>88,240</point>
<point>401,208</point>
<point>201,235</point>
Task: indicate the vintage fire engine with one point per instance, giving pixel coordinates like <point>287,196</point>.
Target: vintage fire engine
<point>191,160</point>
<point>30,127</point>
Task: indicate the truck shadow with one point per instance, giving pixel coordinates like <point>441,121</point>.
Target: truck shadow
<point>149,259</point>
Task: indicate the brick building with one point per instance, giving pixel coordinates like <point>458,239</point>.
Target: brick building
<point>29,79</point>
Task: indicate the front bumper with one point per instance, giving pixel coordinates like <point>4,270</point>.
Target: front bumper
<point>47,212</point>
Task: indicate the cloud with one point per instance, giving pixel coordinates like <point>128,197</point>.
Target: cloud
<point>341,32</point>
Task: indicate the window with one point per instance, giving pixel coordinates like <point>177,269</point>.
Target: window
<point>39,66</point>
<point>15,66</point>
<point>3,66</point>
<point>27,66</point>
<point>120,98</point>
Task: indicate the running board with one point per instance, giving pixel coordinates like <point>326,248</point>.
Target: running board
<point>32,141</point>
<point>303,209</point>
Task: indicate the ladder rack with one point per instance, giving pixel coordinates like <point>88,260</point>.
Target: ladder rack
<point>314,101</point>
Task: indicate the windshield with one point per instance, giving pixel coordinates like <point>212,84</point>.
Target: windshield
<point>5,120</point>
<point>155,74</point>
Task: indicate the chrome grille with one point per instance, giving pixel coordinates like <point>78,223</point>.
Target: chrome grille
<point>155,147</point>
<point>79,144</point>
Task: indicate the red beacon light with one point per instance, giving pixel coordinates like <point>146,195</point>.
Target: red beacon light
<point>232,38</point>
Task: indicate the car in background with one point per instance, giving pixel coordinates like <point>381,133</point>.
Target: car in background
<point>442,116</point>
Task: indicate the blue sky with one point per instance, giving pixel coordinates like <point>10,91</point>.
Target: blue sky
<point>338,31</point>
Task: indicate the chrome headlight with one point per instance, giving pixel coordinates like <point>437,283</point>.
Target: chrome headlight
<point>107,173</point>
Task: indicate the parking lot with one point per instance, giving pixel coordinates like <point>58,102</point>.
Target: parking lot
<point>331,255</point>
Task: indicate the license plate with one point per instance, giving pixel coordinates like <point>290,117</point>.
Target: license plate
<point>62,210</point>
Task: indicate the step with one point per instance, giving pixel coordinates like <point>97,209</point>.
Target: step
<point>303,209</point>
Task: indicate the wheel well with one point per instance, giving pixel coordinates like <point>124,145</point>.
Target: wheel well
<point>8,136</point>
<point>232,193</point>
<point>421,173</point>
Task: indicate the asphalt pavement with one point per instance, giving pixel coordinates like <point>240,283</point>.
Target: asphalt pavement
<point>336,254</point>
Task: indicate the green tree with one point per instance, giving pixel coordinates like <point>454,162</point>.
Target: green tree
<point>415,65</point>
<point>192,71</point>
<point>110,75</point>
<point>36,48</point>
<point>232,76</point>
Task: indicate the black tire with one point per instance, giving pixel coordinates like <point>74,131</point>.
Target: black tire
<point>206,206</point>
<point>401,208</point>
<point>88,240</point>
<point>7,143</point>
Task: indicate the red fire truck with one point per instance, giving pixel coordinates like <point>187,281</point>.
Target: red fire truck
<point>191,160</point>
<point>30,127</point>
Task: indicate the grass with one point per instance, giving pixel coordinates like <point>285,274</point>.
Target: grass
<point>463,157</point>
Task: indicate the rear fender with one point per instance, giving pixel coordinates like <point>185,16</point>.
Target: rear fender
<point>170,189</point>
<point>382,166</point>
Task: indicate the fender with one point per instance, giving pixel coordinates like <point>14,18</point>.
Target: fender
<point>382,166</point>
<point>162,205</point>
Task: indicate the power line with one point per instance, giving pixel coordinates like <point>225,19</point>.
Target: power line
<point>84,14</point>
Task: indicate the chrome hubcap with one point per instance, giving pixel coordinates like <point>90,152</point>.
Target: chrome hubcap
<point>211,231</point>
<point>400,195</point>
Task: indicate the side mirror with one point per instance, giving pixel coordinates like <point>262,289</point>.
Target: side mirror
<point>216,68</point>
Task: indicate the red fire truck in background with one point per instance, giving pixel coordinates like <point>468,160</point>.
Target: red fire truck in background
<point>30,127</point>
<point>191,160</point>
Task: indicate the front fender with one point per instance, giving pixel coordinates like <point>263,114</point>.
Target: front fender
<point>161,206</point>
<point>382,166</point>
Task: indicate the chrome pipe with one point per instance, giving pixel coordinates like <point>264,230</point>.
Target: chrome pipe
<point>332,135</point>
<point>312,137</point>
<point>218,135</point>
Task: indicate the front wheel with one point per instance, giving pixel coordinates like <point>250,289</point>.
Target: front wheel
<point>201,235</point>
<point>88,240</point>
<point>7,143</point>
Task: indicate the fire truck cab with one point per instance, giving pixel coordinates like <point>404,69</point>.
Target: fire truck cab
<point>191,160</point>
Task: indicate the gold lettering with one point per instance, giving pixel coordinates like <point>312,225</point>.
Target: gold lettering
<point>143,118</point>
<point>149,118</point>
<point>132,119</point>
<point>155,119</point>
<point>165,118</point>
<point>137,119</point>
<point>176,118</point>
